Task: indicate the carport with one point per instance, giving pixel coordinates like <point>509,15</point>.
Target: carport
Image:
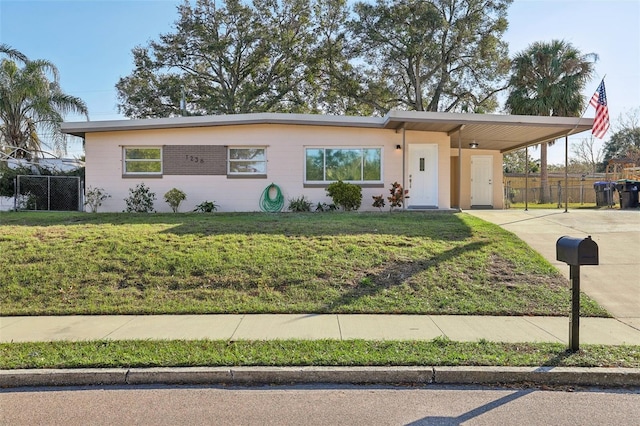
<point>503,133</point>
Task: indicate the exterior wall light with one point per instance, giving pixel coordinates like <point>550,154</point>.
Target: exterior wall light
<point>398,147</point>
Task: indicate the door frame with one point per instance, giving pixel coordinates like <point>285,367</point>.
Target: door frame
<point>434,162</point>
<point>473,190</point>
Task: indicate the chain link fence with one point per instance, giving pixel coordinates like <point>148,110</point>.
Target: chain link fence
<point>58,193</point>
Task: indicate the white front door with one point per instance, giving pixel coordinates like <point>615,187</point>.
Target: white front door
<point>423,176</point>
<point>481,181</point>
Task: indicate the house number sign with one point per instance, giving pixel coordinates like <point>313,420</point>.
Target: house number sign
<point>194,159</point>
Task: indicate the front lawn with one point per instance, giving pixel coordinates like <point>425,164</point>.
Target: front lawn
<point>401,262</point>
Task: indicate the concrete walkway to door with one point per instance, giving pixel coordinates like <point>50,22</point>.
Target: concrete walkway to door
<point>615,283</point>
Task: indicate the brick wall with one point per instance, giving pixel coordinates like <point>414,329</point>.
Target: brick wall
<point>194,160</point>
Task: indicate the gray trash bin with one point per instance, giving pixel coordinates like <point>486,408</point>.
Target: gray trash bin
<point>628,190</point>
<point>604,193</point>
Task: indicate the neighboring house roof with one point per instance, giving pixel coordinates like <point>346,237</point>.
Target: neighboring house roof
<point>52,164</point>
<point>494,132</point>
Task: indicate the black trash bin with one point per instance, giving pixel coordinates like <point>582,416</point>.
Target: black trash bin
<point>628,190</point>
<point>604,193</point>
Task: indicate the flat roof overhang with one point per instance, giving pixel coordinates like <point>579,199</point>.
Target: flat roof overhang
<point>502,133</point>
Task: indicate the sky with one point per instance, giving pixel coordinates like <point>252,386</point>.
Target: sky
<point>90,41</point>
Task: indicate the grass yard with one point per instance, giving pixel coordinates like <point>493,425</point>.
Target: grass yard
<point>214,353</point>
<point>401,262</point>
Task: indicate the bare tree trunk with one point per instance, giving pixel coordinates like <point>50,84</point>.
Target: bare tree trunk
<point>544,175</point>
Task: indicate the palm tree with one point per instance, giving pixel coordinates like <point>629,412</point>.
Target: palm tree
<point>12,53</point>
<point>32,103</point>
<point>547,79</point>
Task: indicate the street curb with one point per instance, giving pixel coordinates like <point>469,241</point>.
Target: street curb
<point>579,376</point>
<point>240,376</point>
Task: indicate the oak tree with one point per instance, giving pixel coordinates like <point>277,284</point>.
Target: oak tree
<point>438,55</point>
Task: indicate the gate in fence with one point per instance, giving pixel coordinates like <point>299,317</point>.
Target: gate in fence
<point>59,193</point>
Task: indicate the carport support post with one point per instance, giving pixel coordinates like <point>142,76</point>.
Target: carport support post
<point>574,326</point>
<point>566,173</point>
<point>526,179</point>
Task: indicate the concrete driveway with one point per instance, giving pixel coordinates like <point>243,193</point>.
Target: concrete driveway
<point>615,283</point>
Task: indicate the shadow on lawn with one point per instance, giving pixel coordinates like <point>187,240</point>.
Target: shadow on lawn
<point>435,226</point>
<point>399,272</point>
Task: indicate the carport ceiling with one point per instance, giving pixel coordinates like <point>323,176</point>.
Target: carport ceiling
<point>503,133</point>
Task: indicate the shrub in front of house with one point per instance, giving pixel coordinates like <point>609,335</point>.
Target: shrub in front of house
<point>398,195</point>
<point>174,197</point>
<point>140,199</point>
<point>206,207</point>
<point>300,204</point>
<point>378,201</point>
<point>396,199</point>
<point>346,195</point>
<point>324,207</point>
<point>94,198</point>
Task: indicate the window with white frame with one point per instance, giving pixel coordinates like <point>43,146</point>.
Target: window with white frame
<point>247,161</point>
<point>346,164</point>
<point>142,160</point>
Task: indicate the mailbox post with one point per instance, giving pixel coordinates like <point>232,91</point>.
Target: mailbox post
<point>575,252</point>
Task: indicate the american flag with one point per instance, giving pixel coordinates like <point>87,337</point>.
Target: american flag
<point>601,121</point>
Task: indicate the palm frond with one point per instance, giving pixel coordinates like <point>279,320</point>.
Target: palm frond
<point>13,53</point>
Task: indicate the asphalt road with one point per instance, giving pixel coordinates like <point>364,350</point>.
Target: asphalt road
<point>318,405</point>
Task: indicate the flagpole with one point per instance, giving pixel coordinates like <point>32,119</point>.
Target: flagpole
<point>566,153</point>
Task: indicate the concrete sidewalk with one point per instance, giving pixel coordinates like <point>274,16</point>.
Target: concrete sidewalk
<point>615,282</point>
<point>606,331</point>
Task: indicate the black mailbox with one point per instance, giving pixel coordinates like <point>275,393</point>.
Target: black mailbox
<point>577,251</point>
